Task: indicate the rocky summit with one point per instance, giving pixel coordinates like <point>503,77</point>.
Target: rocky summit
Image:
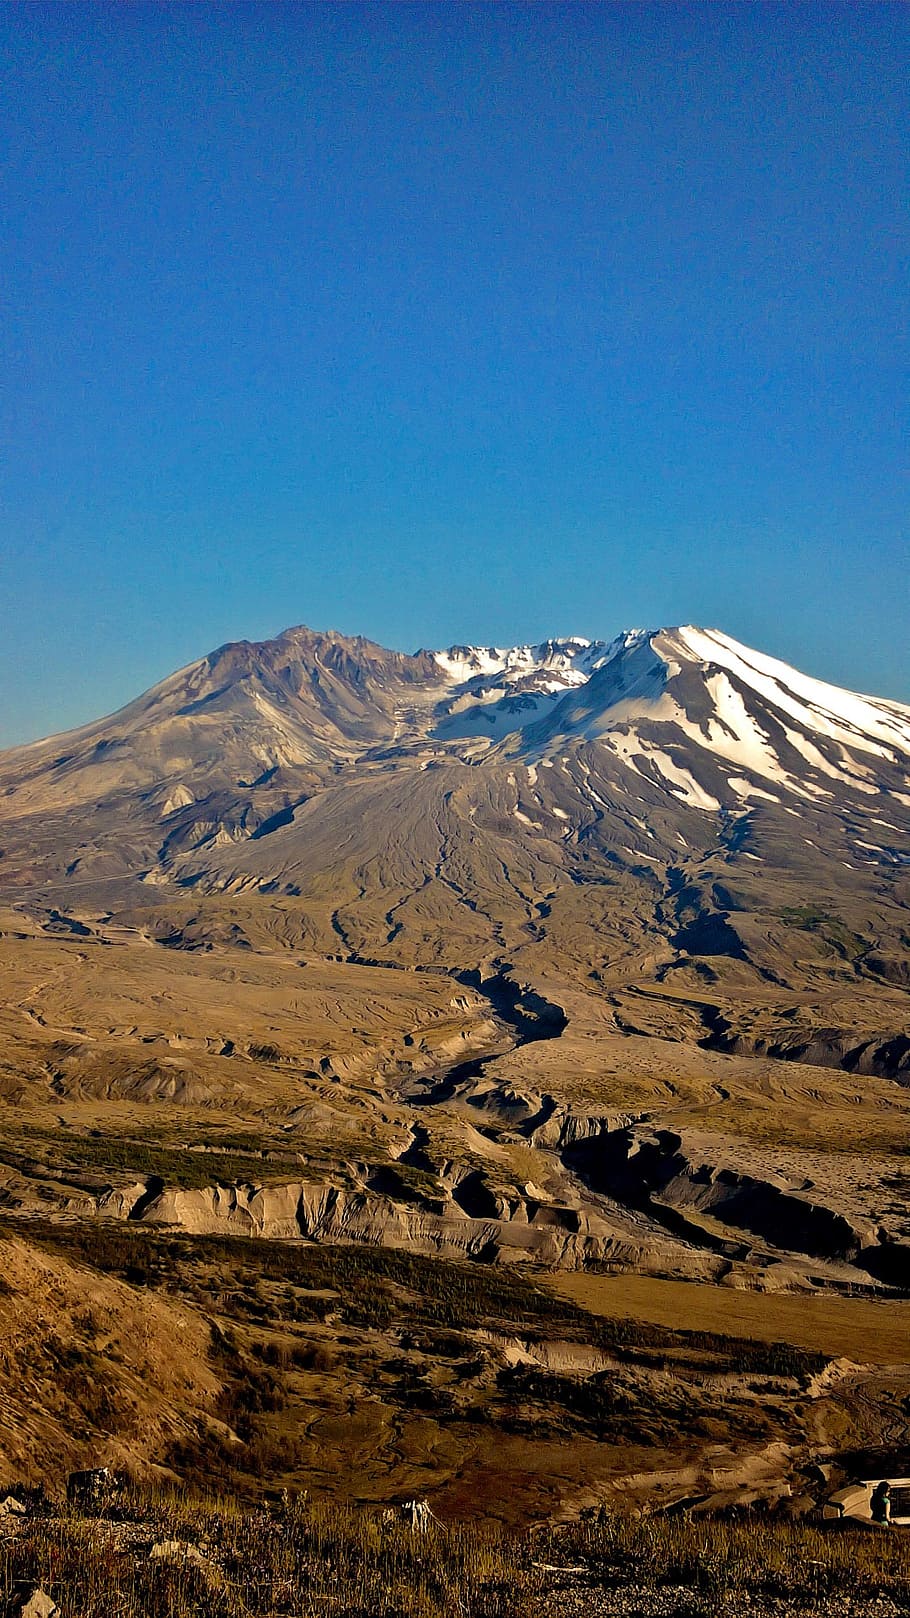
<point>588,956</point>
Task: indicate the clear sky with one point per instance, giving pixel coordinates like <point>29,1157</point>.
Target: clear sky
<point>447,322</point>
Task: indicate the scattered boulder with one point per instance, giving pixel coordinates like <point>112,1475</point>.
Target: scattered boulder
<point>32,1602</point>
<point>11,1507</point>
<point>175,1550</point>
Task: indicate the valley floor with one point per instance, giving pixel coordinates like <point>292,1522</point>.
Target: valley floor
<point>270,1220</point>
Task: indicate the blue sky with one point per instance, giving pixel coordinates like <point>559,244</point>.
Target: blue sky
<point>447,322</point>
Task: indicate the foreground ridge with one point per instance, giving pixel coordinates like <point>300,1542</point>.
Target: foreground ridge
<point>173,1553</point>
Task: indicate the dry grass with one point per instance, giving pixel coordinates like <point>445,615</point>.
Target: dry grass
<point>306,1557</point>
<point>865,1330</point>
<point>756,1553</point>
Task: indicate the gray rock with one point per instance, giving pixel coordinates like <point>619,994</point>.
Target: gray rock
<point>174,1550</point>
<point>37,1605</point>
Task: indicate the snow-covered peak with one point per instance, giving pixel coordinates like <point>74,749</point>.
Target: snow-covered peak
<point>553,664</point>
<point>711,720</point>
<point>670,716</point>
<point>843,716</point>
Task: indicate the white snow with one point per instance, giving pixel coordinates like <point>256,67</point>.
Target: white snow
<point>801,744</point>
<point>462,663</point>
<point>748,746</point>
<point>745,789</point>
<point>634,750</point>
<point>498,691</point>
<point>569,661</point>
<point>688,788</point>
<point>845,716</point>
<point>493,714</point>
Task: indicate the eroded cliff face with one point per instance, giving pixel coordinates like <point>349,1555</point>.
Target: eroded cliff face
<point>712,1190</point>
<point>633,1196</point>
<point>521,1229</point>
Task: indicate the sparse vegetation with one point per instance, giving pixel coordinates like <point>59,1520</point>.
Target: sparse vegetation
<point>750,1551</point>
<point>599,1404</point>
<point>374,1284</point>
<point>306,1557</point>
<point>830,929</point>
<point>63,1151</point>
<point>311,1359</point>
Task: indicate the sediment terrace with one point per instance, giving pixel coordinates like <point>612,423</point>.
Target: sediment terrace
<point>442,1110</point>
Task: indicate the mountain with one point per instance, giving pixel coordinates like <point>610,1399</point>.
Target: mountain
<point>608,939</point>
<point>234,768</point>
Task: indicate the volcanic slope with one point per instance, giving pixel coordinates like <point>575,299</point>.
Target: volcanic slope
<point>651,896</point>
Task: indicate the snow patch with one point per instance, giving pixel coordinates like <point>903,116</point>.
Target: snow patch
<point>745,789</point>
<point>802,745</point>
<point>844,716</point>
<point>561,663</point>
<point>635,751</point>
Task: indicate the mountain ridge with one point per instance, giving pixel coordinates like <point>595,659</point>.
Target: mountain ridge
<point>680,719</point>
<point>561,663</point>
